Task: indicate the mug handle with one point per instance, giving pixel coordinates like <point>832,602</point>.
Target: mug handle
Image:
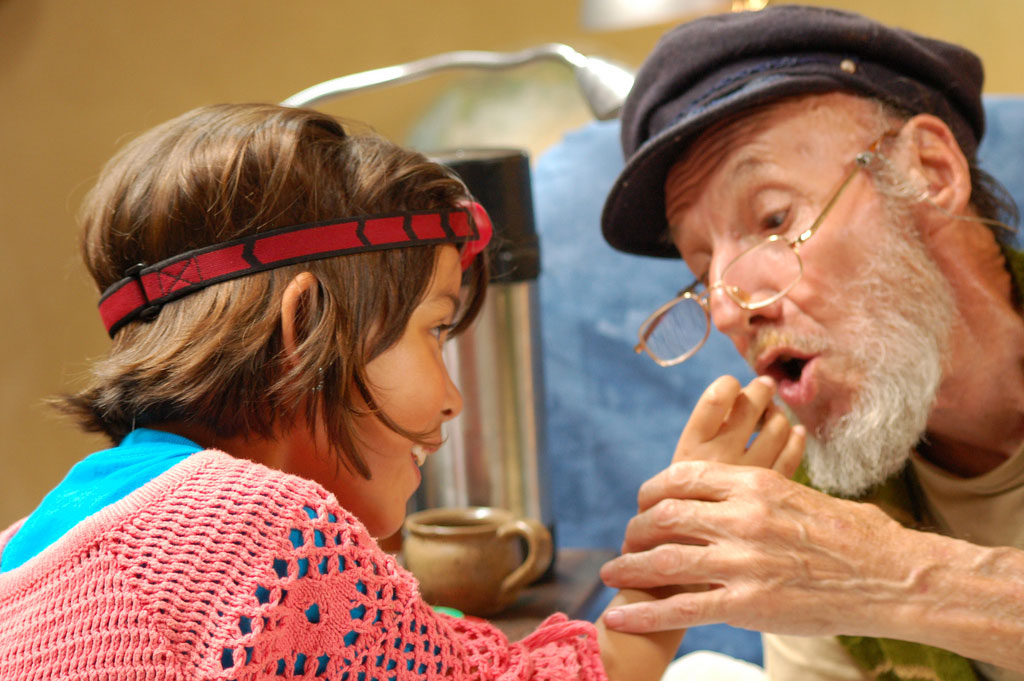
<point>538,554</point>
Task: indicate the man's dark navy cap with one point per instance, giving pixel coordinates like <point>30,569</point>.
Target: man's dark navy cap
<point>715,67</point>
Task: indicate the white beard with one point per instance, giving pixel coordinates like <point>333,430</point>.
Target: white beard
<point>901,317</point>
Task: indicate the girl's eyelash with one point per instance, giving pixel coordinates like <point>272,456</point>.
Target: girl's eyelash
<point>442,329</point>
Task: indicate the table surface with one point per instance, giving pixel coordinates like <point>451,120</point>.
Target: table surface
<point>572,589</point>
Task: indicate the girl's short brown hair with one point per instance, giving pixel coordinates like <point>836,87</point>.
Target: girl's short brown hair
<point>215,358</point>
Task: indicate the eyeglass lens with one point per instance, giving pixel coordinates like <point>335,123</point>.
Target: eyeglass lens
<point>756,278</point>
<point>763,274</point>
<point>678,330</point>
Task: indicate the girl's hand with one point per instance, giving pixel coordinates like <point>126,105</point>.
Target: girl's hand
<point>727,416</point>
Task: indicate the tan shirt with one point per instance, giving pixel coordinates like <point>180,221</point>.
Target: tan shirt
<point>987,510</point>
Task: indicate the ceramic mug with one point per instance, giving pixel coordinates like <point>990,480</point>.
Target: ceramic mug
<point>472,558</point>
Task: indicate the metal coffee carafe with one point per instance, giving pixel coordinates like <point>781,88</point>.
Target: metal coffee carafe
<point>494,453</point>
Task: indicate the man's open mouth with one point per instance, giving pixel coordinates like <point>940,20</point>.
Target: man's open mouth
<point>789,367</point>
<point>785,367</point>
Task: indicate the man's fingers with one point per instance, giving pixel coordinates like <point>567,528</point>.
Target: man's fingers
<point>701,480</point>
<point>673,521</point>
<point>664,565</point>
<point>675,612</point>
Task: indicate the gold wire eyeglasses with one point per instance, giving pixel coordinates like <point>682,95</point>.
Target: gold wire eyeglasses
<point>756,278</point>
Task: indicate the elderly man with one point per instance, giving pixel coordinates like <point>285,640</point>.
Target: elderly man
<point>815,170</point>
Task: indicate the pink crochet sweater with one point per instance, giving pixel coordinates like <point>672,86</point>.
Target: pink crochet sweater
<point>225,569</point>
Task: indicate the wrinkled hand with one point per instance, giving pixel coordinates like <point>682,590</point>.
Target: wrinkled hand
<point>779,556</point>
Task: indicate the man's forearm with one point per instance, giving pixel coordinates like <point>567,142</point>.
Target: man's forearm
<point>965,598</point>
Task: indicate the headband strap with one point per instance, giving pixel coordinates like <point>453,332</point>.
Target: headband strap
<point>145,288</point>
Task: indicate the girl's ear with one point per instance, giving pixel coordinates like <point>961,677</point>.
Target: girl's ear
<point>937,162</point>
<point>297,295</point>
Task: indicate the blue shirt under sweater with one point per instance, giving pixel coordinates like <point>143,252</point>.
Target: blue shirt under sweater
<point>94,483</point>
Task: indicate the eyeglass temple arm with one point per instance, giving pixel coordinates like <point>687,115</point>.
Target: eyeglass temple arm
<point>924,196</point>
<point>688,289</point>
<point>861,162</point>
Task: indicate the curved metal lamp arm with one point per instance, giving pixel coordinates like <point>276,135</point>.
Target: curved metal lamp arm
<point>604,84</point>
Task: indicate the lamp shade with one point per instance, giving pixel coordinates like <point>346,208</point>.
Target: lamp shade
<point>612,15</point>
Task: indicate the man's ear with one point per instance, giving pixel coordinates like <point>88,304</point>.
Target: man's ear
<point>937,163</point>
<point>297,297</point>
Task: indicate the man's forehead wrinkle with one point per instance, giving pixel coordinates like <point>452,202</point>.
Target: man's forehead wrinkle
<point>738,150</point>
<point>689,186</point>
<point>811,152</point>
<point>750,163</point>
<point>705,157</point>
<point>845,116</point>
<point>741,152</point>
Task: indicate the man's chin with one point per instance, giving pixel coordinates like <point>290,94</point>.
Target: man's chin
<point>848,454</point>
<point>850,472</point>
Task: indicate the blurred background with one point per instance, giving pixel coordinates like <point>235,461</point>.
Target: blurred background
<point>78,79</point>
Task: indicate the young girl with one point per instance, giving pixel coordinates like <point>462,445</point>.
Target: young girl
<point>277,292</point>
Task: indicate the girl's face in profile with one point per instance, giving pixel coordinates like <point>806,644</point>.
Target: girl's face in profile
<point>411,385</point>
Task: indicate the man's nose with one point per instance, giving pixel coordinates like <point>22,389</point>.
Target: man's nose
<point>735,321</point>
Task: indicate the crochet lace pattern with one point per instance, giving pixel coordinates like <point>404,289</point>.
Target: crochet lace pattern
<point>225,569</point>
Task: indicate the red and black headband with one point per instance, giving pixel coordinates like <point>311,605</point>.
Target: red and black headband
<point>145,288</point>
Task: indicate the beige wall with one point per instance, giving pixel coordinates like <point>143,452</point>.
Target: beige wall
<point>78,78</point>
